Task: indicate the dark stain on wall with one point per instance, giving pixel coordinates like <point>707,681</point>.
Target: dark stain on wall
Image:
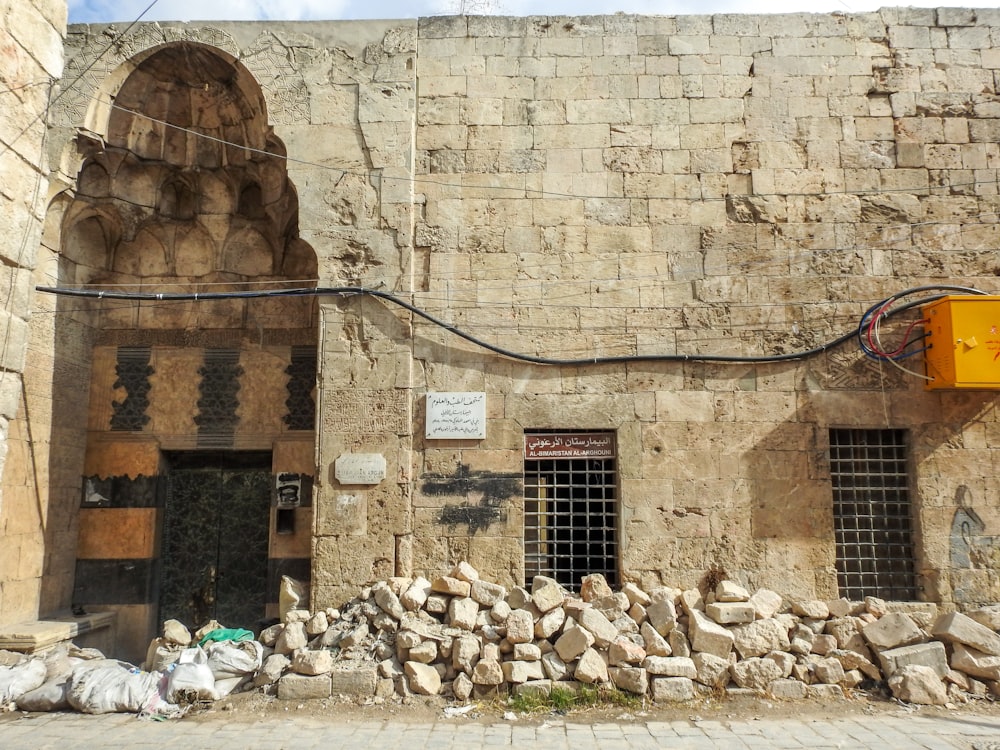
<point>495,489</point>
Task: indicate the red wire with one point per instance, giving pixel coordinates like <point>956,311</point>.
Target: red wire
<point>906,335</point>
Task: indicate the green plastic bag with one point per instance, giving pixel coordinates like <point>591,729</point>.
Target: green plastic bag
<point>226,634</point>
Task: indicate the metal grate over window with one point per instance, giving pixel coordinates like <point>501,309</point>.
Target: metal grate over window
<point>570,506</point>
<point>871,514</point>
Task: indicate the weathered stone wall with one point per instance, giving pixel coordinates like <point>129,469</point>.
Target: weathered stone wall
<point>579,188</point>
<point>31,43</point>
<point>730,185</point>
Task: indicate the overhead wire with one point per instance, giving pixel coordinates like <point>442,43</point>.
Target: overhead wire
<point>354,291</point>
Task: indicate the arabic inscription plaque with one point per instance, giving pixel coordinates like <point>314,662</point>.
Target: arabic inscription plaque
<point>459,415</point>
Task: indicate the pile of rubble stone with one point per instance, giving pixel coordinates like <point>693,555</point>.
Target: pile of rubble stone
<point>463,637</point>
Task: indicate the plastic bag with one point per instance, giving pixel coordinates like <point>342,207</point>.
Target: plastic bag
<point>191,682</point>
<point>226,634</point>
<point>113,688</point>
<point>232,664</point>
<point>17,680</point>
<point>51,696</point>
<point>161,654</point>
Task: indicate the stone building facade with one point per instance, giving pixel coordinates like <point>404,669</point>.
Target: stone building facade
<point>36,541</point>
<point>584,291</point>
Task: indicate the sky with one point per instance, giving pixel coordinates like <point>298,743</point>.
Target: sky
<point>105,11</point>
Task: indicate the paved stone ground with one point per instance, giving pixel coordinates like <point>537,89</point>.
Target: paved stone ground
<point>65,731</point>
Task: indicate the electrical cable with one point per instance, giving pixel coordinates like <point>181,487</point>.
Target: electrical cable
<point>354,291</point>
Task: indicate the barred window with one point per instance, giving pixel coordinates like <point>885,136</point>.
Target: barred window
<point>570,506</point>
<point>869,470</point>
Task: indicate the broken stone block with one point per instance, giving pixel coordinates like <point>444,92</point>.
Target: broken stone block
<point>461,687</point>
<point>975,663</point>
<point>711,670</point>
<point>465,572</point>
<point>955,627</point>
<point>594,586</point>
<point>918,684</point>
<point>390,668</point>
<point>534,688</point>
<point>550,623</point>
<point>636,595</point>
<point>425,653</point>
<point>437,604</point>
<point>388,602</point>
<point>630,679</point>
<point>591,668</point>
<point>852,660</point>
<point>825,692</point>
<point>784,660</point>
<point>875,606</point>
<point>730,591</point>
<point>423,678</point>
<point>317,624</point>
<point>671,689</point>
<point>520,626</point>
<point>309,662</point>
<point>451,586</point>
<point>555,667</point>
<point>828,671</point>
<point>765,603</point>
<point>353,678</point>
<point>662,616</point>
<point>500,611</point>
<point>271,670</point>
<point>691,600</point>
<point>623,651</point>
<point>989,616</point>
<point>708,636</point>
<point>573,642</point>
<point>462,612</point>
<point>486,593</point>
<point>930,654</point>
<point>755,673</point>
<point>670,666</point>
<point>787,690</point>
<point>841,607</point>
<point>731,613</point>
<point>293,637</point>
<point>518,597</point>
<point>758,638</point>
<point>294,687</point>
<point>891,631</point>
<point>811,608</point>
<point>416,594</point>
<point>654,643</point>
<point>465,653</point>
<point>823,644</point>
<point>546,593</point>
<point>522,671</point>
<point>599,626</point>
<point>487,672</point>
<point>526,652</point>
<point>269,635</point>
<point>679,643</point>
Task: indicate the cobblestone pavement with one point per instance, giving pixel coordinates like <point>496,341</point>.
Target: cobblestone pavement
<point>64,731</point>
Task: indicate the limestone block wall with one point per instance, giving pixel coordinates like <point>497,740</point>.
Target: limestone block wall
<point>32,576</point>
<point>652,189</point>
<point>727,185</point>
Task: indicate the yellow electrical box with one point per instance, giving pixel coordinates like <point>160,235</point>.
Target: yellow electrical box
<point>963,342</point>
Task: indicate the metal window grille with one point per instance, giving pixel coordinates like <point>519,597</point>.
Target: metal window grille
<point>871,511</point>
<point>570,519</point>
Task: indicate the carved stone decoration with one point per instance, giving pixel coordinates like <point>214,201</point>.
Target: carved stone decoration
<point>849,370</point>
<point>133,371</point>
<point>219,400</point>
<point>301,382</point>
